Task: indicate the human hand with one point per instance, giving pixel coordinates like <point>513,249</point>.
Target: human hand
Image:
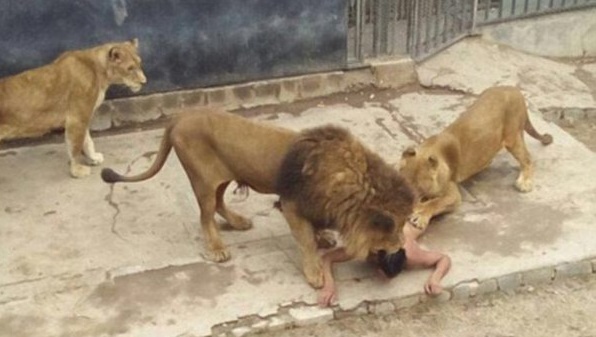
<point>433,288</point>
<point>326,296</point>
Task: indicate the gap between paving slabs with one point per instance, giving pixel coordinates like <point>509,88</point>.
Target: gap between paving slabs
<point>300,314</point>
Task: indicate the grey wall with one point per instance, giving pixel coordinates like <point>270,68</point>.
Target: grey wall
<point>184,43</point>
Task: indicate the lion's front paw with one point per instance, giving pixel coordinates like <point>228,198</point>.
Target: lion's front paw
<point>218,255</point>
<point>79,171</point>
<point>95,159</point>
<point>523,185</point>
<point>314,275</point>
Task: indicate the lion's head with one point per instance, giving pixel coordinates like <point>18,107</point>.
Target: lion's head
<point>374,230</point>
<point>124,65</point>
<point>426,171</point>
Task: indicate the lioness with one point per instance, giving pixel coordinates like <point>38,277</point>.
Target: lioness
<point>497,119</point>
<point>65,93</point>
<point>216,148</point>
<point>329,180</point>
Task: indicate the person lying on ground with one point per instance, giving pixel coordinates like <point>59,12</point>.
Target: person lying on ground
<point>411,256</point>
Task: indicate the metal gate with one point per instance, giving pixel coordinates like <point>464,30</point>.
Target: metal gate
<point>421,28</point>
<point>436,24</point>
<point>378,28</point>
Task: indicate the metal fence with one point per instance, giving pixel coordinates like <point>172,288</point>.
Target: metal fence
<point>378,28</point>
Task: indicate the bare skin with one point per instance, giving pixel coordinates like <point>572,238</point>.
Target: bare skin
<point>416,258</point>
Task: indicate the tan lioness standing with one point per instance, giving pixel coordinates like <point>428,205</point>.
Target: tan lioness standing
<point>65,93</point>
<point>467,146</point>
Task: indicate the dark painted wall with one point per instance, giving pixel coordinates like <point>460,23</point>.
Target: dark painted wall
<point>184,43</point>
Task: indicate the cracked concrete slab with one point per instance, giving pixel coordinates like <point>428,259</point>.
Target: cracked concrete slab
<point>84,258</point>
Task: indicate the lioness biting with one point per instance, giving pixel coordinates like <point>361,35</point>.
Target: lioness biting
<point>467,146</point>
<point>216,148</point>
<point>329,180</point>
<point>65,93</point>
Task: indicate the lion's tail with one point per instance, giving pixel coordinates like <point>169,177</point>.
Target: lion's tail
<point>110,176</point>
<point>545,139</point>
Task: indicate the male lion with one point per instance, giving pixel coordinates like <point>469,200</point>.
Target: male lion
<point>215,148</point>
<point>467,146</point>
<point>329,180</point>
<point>65,93</point>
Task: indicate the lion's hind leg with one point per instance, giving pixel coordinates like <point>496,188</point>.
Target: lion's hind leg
<point>216,249</point>
<point>235,220</point>
<point>205,190</point>
<point>517,148</point>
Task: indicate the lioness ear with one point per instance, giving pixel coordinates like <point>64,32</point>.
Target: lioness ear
<point>115,55</point>
<point>433,161</point>
<point>135,42</point>
<point>382,222</point>
<point>409,152</point>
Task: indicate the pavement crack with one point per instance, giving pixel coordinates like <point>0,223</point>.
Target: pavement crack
<point>380,123</point>
<point>109,198</point>
<point>406,127</point>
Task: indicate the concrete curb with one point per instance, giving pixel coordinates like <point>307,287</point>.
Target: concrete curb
<point>394,73</point>
<point>300,314</point>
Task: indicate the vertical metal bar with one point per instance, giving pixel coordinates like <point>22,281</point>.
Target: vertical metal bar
<point>462,16</point>
<point>358,30</point>
<point>501,9</point>
<point>392,26</point>
<point>550,4</point>
<point>375,23</point>
<point>417,26</point>
<point>411,27</point>
<point>437,21</point>
<point>446,21</point>
<point>512,7</point>
<point>526,4</point>
<point>538,5</point>
<point>474,14</point>
<point>486,9</point>
<point>427,23</point>
<point>562,3</point>
<point>385,14</point>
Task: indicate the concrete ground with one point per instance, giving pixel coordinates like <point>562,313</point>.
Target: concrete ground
<point>84,258</point>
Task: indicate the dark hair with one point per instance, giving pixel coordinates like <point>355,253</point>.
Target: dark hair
<point>392,264</point>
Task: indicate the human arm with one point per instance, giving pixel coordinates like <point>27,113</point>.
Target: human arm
<point>420,258</point>
<point>327,294</point>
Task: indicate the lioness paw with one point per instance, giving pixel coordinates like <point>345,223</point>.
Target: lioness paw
<point>79,171</point>
<point>418,221</point>
<point>523,185</point>
<point>95,158</point>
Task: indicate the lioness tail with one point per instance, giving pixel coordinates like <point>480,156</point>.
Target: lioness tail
<point>110,176</point>
<point>545,139</point>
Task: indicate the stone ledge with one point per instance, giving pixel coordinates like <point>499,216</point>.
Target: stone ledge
<point>300,314</point>
<point>133,110</point>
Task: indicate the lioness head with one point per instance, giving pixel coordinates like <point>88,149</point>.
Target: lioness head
<point>124,65</point>
<point>426,171</point>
